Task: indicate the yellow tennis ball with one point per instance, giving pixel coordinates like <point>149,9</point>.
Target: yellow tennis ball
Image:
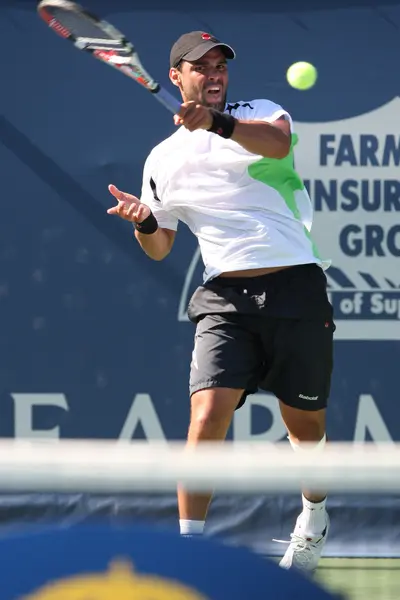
<point>302,75</point>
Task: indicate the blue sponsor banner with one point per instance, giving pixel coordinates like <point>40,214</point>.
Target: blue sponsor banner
<point>350,167</point>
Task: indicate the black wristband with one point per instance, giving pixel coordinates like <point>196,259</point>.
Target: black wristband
<point>148,226</point>
<point>223,124</point>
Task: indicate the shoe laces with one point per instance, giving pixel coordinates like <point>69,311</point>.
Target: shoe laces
<point>297,540</point>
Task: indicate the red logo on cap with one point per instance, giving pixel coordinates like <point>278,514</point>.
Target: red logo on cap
<point>206,36</point>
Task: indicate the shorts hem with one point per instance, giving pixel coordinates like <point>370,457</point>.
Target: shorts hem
<point>307,406</point>
<point>215,383</point>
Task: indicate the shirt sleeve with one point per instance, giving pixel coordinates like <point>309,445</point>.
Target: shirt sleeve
<point>265,110</point>
<point>149,196</point>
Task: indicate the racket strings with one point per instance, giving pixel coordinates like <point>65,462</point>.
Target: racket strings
<point>78,24</point>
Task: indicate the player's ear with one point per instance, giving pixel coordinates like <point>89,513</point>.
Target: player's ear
<point>175,77</point>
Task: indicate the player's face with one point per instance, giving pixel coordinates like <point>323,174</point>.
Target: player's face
<point>205,81</point>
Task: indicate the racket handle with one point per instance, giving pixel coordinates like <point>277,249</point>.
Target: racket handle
<point>167,100</point>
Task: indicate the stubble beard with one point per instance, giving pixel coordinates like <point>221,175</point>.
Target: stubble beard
<point>220,106</point>
<point>193,96</point>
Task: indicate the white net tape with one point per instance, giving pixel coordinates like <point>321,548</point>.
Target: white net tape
<point>101,466</point>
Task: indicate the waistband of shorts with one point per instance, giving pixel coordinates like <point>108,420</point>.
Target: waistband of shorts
<point>268,278</point>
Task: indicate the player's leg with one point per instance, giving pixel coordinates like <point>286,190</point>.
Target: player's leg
<point>304,352</point>
<point>306,427</point>
<point>312,526</point>
<point>211,415</point>
<point>226,361</point>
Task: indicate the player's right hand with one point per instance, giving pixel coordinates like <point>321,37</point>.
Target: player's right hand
<point>129,207</point>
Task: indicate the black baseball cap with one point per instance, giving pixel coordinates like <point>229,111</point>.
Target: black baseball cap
<point>192,46</point>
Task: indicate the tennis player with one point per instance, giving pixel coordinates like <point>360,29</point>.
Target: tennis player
<point>263,318</point>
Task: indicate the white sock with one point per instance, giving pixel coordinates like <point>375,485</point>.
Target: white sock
<point>189,527</point>
<point>313,519</point>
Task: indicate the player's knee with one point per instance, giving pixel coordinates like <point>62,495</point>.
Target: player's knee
<point>207,426</point>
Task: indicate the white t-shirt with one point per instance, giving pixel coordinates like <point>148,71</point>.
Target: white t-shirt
<point>246,211</point>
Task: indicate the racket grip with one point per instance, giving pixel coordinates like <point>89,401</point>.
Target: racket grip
<point>168,100</point>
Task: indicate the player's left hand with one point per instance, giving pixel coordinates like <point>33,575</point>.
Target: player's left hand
<point>194,116</point>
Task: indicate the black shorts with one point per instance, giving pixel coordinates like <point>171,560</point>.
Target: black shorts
<point>273,332</point>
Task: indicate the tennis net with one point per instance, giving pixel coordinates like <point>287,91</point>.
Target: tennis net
<point>362,558</point>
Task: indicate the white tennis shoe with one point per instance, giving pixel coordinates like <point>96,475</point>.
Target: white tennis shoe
<point>304,552</point>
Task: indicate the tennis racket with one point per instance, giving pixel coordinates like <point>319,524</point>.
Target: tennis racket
<point>104,42</point>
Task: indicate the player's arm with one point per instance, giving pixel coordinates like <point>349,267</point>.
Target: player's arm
<point>156,245</point>
<point>271,140</point>
<point>155,241</point>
